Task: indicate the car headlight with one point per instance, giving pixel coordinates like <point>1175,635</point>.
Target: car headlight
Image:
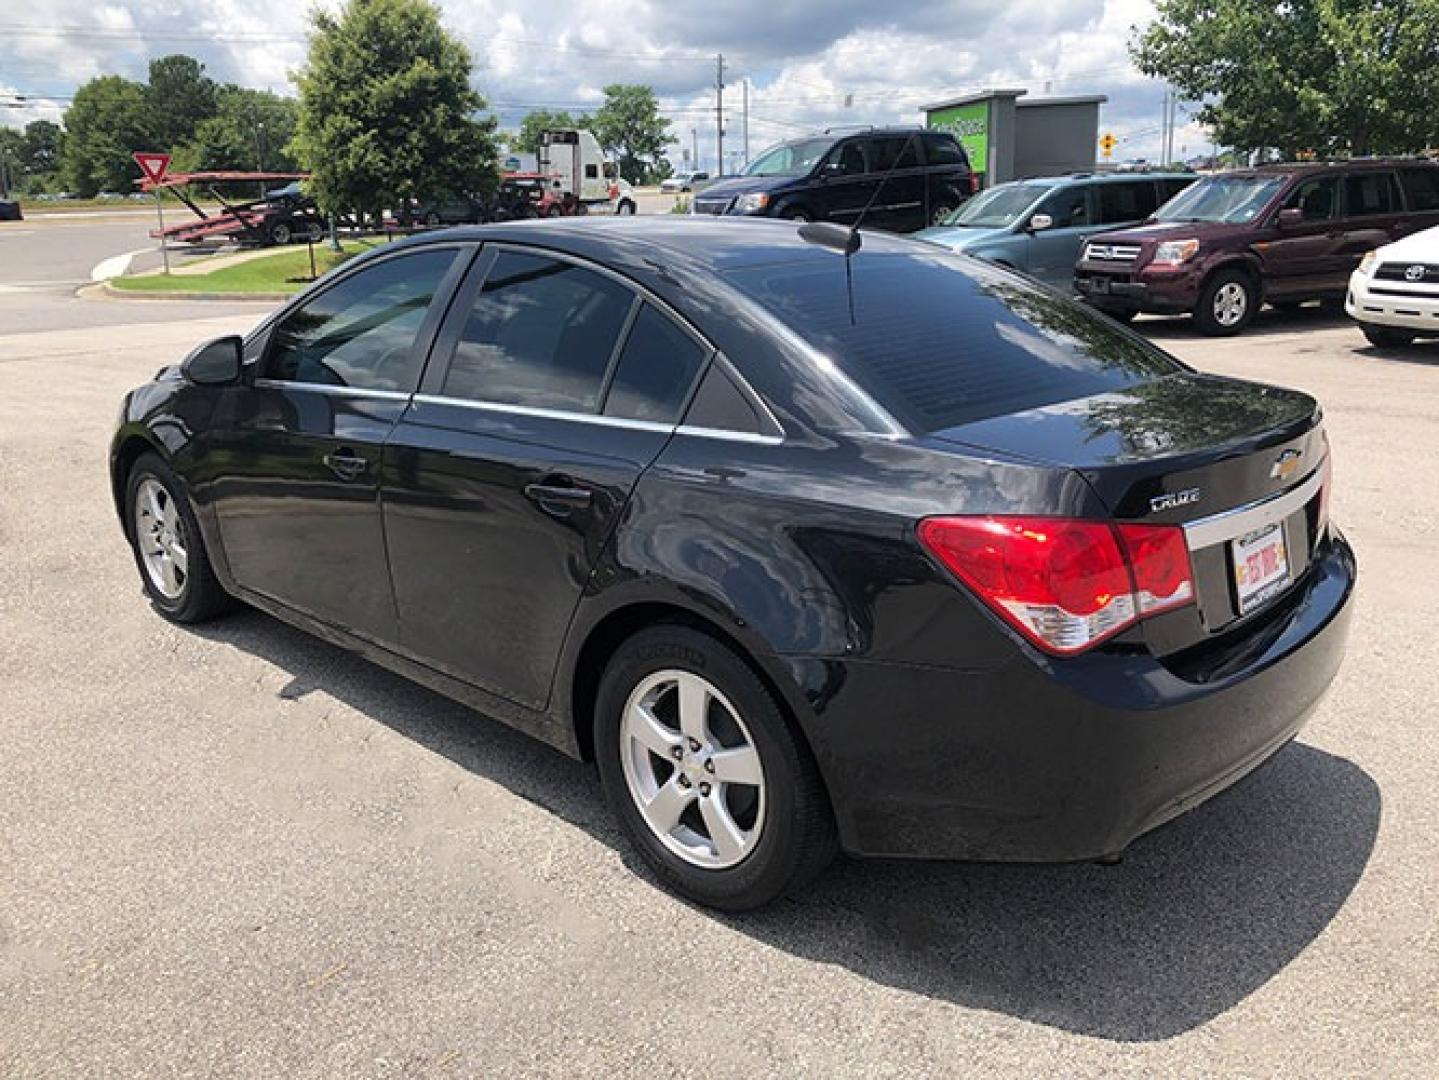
<point>1366,264</point>
<point>751,203</point>
<point>1175,252</point>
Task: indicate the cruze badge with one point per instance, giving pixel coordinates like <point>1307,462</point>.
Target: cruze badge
<point>1172,500</point>
<point>1285,465</point>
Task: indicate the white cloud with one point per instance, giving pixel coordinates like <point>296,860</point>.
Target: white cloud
<point>804,58</point>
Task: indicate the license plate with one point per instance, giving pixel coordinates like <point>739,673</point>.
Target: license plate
<point>1099,286</point>
<point>1261,567</point>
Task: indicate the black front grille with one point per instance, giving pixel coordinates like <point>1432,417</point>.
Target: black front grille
<point>1414,273</point>
<point>711,206</point>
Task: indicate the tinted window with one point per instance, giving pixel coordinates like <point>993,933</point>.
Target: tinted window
<point>1126,201</point>
<point>1318,198</point>
<point>656,369</point>
<point>361,332</point>
<point>1370,193</point>
<point>1423,185</point>
<point>940,340</point>
<point>1170,188</point>
<point>942,150</point>
<point>893,152</point>
<point>592,172</point>
<point>541,333</point>
<point>1069,207</point>
<point>849,158</point>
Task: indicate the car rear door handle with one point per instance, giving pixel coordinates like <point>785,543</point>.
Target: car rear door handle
<point>558,496</point>
<point>346,464</point>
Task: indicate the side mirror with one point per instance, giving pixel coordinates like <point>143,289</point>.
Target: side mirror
<point>1040,222</point>
<point>1291,217</point>
<point>831,168</point>
<point>216,363</point>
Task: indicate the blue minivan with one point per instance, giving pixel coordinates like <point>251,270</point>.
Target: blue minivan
<point>1039,226</point>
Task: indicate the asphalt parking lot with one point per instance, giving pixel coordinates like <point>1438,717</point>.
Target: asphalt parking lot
<point>235,850</point>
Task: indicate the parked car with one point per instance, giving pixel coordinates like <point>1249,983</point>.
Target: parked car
<point>925,175</point>
<point>898,553</point>
<point>452,210</point>
<point>1039,226</point>
<point>1281,233</point>
<point>1394,293</point>
<point>683,181</point>
<point>288,215</point>
<point>10,210</point>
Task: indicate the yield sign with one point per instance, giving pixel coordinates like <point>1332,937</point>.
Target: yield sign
<point>152,165</point>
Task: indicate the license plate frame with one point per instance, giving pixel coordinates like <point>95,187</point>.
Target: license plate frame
<point>1099,286</point>
<point>1259,566</point>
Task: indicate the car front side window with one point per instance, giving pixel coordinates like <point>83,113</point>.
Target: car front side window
<point>360,333</point>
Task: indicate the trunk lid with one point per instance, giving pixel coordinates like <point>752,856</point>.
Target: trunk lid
<point>1223,458</point>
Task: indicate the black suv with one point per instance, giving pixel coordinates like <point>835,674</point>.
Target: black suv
<point>833,177</point>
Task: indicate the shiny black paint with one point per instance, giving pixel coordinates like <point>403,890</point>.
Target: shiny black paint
<point>938,731</point>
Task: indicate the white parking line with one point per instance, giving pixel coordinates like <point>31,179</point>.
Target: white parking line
<point>114,266</point>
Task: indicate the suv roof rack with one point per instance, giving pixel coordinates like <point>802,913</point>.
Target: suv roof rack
<point>839,128</point>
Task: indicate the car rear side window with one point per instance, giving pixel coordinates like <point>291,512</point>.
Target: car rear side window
<point>893,152</point>
<point>361,331</point>
<point>942,150</point>
<point>938,340</point>
<point>656,370</point>
<point>1370,193</point>
<point>541,333</point>
<point>1423,186</point>
<point>1126,200</point>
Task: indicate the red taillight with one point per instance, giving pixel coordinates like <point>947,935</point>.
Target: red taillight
<point>1065,584</point>
<point>974,183</point>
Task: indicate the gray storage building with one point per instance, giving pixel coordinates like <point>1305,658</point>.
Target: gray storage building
<point>1008,139</point>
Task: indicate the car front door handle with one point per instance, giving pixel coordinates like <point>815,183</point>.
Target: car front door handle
<point>558,496</point>
<point>346,464</point>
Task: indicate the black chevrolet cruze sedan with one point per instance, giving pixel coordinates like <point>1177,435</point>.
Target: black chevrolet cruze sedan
<point>885,550</point>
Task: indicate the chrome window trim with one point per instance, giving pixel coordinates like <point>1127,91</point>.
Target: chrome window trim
<point>730,436</point>
<point>330,388</point>
<point>543,414</point>
<point>1241,521</point>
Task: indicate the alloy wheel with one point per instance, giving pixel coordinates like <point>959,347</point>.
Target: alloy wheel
<point>692,769</point>
<point>160,536</point>
<point>1231,302</point>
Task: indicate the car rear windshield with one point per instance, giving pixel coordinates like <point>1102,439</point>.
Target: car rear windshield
<point>998,207</point>
<point>939,340</point>
<point>1234,200</point>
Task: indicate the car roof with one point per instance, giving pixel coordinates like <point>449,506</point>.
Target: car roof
<point>700,241</point>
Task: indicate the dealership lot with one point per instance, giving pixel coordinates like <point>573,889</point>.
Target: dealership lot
<point>239,850</point>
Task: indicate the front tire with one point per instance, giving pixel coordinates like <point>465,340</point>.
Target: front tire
<point>1226,304</point>
<point>626,208</point>
<point>797,215</point>
<point>705,775</point>
<point>1387,337</point>
<point>280,234</point>
<point>169,549</point>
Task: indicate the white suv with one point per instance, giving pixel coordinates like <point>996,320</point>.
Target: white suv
<point>1394,294</point>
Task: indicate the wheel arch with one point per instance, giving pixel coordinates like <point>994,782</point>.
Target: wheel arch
<point>128,449</point>
<point>1245,264</point>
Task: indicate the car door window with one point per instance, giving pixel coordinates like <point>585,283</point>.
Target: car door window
<point>1068,208</point>
<point>1423,185</point>
<point>656,370</point>
<point>541,333</point>
<point>893,152</point>
<point>1370,193</point>
<point>942,150</point>
<point>1318,198</point>
<point>1126,200</point>
<point>361,332</point>
<point>849,159</point>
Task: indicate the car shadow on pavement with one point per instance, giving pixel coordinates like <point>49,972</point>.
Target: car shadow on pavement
<point>1199,915</point>
<point>1268,322</point>
<point>1424,353</point>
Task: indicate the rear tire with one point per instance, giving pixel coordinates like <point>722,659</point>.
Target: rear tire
<point>625,208</point>
<point>1226,304</point>
<point>783,831</point>
<point>168,546</point>
<point>797,215</point>
<point>1387,337</point>
<point>280,234</point>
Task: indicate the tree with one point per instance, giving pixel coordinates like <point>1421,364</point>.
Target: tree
<point>528,139</point>
<point>12,160</point>
<point>1330,76</point>
<point>40,152</point>
<point>104,125</point>
<point>387,112</point>
<point>178,99</point>
<point>629,126</point>
<point>251,129</point>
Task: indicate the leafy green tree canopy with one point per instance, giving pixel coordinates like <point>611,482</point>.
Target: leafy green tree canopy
<point>104,125</point>
<point>1331,76</point>
<point>178,98</point>
<point>251,129</point>
<point>387,111</point>
<point>41,147</point>
<point>541,120</point>
<point>629,126</point>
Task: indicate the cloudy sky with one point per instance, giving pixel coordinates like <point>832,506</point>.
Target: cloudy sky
<point>808,62</point>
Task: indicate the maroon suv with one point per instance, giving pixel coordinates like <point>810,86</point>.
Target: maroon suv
<point>1279,233</point>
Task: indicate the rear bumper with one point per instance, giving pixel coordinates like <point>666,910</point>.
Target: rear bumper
<point>1057,760</point>
<point>1392,303</point>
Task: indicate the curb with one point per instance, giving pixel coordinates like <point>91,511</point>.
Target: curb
<point>108,291</point>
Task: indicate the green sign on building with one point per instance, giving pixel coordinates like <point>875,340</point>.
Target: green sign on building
<point>969,124</point>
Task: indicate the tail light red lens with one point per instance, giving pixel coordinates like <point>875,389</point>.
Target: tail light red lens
<point>1065,584</point>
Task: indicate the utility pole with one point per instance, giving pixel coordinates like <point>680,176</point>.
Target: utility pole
<point>746,121</point>
<point>1164,129</point>
<point>719,114</point>
<point>694,148</point>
